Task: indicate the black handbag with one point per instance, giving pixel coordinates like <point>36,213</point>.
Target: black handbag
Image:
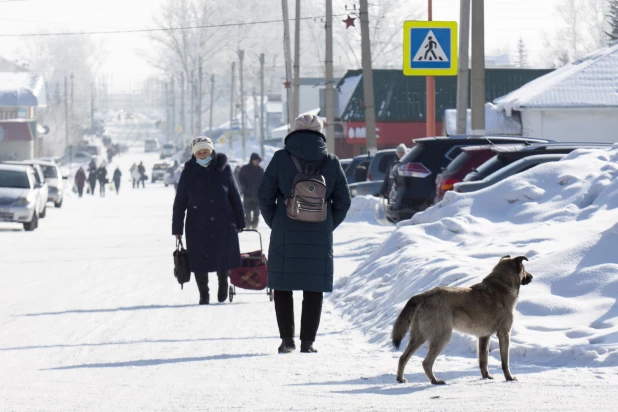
<point>182,272</point>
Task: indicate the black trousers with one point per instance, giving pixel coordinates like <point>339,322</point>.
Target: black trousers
<point>117,185</point>
<point>252,212</point>
<point>310,318</point>
<point>202,279</point>
<point>80,190</point>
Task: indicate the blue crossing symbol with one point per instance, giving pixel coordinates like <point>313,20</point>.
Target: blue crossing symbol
<point>430,48</point>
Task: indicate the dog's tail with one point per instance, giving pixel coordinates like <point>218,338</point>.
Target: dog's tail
<point>402,324</point>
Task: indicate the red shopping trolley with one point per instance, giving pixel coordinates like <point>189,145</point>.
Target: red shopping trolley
<point>252,273</point>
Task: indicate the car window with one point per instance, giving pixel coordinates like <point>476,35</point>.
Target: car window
<point>385,161</point>
<point>493,164</point>
<point>453,153</point>
<point>14,179</point>
<point>50,172</point>
<point>459,162</point>
<point>37,176</point>
<point>414,153</point>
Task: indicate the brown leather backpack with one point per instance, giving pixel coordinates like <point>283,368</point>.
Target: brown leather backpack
<point>307,200</point>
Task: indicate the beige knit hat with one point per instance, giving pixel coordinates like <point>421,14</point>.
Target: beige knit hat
<point>200,143</point>
<point>308,122</point>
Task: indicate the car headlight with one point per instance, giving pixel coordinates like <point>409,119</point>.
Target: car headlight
<point>22,201</point>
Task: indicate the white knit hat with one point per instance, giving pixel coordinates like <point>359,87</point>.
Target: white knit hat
<point>200,143</point>
<point>308,122</point>
<point>402,148</point>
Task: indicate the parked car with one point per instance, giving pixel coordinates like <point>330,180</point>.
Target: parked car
<point>54,179</point>
<point>167,150</point>
<point>470,158</point>
<point>158,171</point>
<point>414,187</point>
<point>151,145</point>
<point>19,197</point>
<point>376,172</point>
<point>357,169</point>
<point>505,155</point>
<point>41,185</point>
<point>518,166</point>
<point>345,163</point>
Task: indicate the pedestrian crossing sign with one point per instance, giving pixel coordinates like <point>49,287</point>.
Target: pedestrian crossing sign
<point>430,48</point>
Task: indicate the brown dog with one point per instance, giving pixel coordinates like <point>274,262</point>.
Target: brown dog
<point>480,310</point>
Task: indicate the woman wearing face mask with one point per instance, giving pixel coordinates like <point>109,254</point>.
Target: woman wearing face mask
<point>207,192</point>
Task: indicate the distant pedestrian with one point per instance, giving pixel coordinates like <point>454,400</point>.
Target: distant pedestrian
<point>142,174</point>
<point>134,175</point>
<point>177,174</point>
<point>92,179</point>
<point>301,252</point>
<point>103,180</point>
<point>117,179</point>
<point>208,195</point>
<point>80,181</point>
<point>387,184</point>
<point>250,178</point>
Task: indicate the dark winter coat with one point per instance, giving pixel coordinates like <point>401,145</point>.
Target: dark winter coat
<point>211,199</point>
<point>102,175</point>
<point>117,175</point>
<point>301,253</point>
<point>80,178</point>
<point>250,178</point>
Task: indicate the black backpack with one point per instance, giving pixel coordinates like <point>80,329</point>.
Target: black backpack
<point>182,272</point>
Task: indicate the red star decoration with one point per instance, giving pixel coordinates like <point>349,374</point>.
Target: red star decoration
<point>287,84</point>
<point>349,21</point>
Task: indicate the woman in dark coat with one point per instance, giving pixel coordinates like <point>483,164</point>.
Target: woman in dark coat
<point>207,191</point>
<point>102,177</point>
<point>301,253</point>
<point>117,178</point>
<point>80,181</point>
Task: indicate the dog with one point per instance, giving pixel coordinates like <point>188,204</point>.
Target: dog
<point>480,310</point>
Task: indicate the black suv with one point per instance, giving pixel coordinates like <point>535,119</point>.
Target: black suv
<point>414,187</point>
<point>507,154</point>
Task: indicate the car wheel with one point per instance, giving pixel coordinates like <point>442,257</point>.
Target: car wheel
<point>33,224</point>
<point>59,204</point>
<point>43,213</point>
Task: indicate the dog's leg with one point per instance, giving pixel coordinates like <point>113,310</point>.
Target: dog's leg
<point>505,339</point>
<point>435,347</point>
<point>483,356</point>
<point>416,340</point>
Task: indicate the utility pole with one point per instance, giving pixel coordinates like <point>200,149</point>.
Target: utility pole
<point>72,92</point>
<point>329,92</point>
<point>255,114</point>
<point>173,97</point>
<point>430,92</point>
<point>200,96</point>
<point>262,105</point>
<point>212,102</point>
<point>167,112</point>
<point>92,106</point>
<point>232,104</point>
<point>66,123</point>
<point>478,67</point>
<point>462,75</point>
<point>288,63</point>
<point>182,108</point>
<point>241,57</point>
<point>297,61</point>
<point>370,113</point>
<point>192,111</point>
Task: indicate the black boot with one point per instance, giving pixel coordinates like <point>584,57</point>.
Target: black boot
<point>307,347</point>
<point>287,345</point>
<point>223,285</point>
<point>202,285</point>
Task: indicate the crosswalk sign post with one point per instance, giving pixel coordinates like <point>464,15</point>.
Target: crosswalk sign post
<point>430,48</point>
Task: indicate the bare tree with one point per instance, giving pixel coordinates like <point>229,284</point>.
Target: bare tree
<point>522,53</point>
<point>612,20</point>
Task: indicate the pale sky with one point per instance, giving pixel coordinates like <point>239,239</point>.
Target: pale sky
<point>505,22</point>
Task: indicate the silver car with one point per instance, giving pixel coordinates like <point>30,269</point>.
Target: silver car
<point>54,179</point>
<point>41,185</point>
<point>19,198</point>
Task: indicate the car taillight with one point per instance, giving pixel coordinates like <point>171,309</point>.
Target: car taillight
<point>448,184</point>
<point>414,170</point>
<point>369,179</point>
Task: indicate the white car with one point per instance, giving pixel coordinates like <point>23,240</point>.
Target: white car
<point>41,186</point>
<point>167,150</point>
<point>151,145</point>
<point>19,198</point>
<point>54,179</point>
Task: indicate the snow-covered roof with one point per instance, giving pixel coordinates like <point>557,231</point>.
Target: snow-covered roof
<point>591,81</point>
<point>497,123</point>
<point>22,89</point>
<point>346,90</point>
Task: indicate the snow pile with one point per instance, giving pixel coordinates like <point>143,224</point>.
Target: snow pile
<point>365,209</point>
<point>561,215</point>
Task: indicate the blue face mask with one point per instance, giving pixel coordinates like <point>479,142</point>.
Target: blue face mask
<point>204,162</point>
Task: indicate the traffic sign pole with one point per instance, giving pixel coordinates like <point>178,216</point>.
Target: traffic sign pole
<point>430,92</point>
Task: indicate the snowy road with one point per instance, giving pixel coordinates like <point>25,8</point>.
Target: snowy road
<point>91,319</point>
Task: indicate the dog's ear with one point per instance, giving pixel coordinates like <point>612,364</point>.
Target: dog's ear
<point>505,257</point>
<point>518,261</point>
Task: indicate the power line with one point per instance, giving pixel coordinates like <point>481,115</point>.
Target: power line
<point>11,1</point>
<point>213,26</point>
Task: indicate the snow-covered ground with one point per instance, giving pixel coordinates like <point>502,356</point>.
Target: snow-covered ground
<point>91,317</point>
